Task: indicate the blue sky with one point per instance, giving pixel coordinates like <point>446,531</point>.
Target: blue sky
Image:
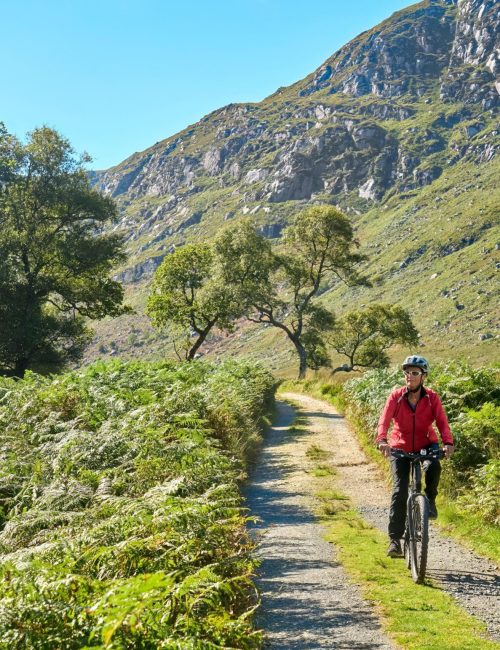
<point>116,76</point>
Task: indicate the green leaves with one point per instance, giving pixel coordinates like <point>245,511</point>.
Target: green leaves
<point>200,287</point>
<point>322,238</point>
<point>245,262</point>
<point>363,336</point>
<point>55,259</point>
<point>280,287</point>
<point>188,293</point>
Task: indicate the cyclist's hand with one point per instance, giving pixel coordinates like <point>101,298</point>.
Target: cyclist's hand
<point>449,450</point>
<point>385,449</point>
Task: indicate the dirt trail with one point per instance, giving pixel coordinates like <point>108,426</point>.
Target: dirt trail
<point>308,601</point>
<point>472,580</point>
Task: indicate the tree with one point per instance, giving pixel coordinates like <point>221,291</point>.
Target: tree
<point>187,293</point>
<point>55,256</point>
<point>363,336</point>
<point>279,288</point>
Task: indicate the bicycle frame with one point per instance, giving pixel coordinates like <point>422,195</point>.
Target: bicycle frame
<point>416,536</point>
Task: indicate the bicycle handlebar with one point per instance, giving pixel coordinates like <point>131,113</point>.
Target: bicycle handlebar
<point>423,454</point>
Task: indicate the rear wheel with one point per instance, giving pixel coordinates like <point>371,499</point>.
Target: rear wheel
<point>419,536</point>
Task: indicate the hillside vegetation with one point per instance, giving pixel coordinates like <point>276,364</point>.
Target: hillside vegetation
<point>122,523</point>
<point>434,252</point>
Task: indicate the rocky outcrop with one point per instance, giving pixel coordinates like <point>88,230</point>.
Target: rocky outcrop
<point>271,230</point>
<point>367,122</point>
<point>473,73</point>
<point>413,45</point>
<point>294,178</point>
<point>140,271</point>
<point>193,219</point>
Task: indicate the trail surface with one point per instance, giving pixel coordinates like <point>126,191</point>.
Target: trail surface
<point>308,601</point>
<point>305,594</point>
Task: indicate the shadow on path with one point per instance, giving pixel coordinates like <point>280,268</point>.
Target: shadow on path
<point>469,582</point>
<point>307,602</point>
<point>320,416</point>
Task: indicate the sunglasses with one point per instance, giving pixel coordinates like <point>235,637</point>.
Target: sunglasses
<point>413,373</point>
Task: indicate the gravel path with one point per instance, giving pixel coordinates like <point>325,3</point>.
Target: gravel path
<point>307,599</point>
<point>472,580</point>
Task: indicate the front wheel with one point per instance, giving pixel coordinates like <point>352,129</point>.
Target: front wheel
<point>406,545</point>
<point>419,536</point>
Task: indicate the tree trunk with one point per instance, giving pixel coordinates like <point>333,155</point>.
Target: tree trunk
<point>196,346</point>
<point>302,357</point>
<point>20,367</point>
<point>202,335</point>
<point>344,368</point>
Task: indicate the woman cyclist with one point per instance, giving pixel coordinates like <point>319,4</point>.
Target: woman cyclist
<point>413,409</point>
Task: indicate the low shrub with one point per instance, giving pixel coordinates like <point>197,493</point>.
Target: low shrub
<point>483,492</point>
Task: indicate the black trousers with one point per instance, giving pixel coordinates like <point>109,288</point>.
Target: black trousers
<point>400,479</point>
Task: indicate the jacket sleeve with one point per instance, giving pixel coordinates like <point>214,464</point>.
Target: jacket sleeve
<point>385,418</point>
<point>442,421</point>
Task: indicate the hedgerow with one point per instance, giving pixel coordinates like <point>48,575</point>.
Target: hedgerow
<point>122,521</point>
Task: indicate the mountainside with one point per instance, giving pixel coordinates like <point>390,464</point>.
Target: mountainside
<point>398,128</point>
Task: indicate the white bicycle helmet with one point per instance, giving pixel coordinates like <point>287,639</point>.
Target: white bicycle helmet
<point>418,361</point>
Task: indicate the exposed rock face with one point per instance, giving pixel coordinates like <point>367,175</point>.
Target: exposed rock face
<point>367,121</point>
<point>413,43</point>
<point>475,56</point>
<point>368,190</point>
<point>256,175</point>
<point>271,230</point>
<point>138,271</point>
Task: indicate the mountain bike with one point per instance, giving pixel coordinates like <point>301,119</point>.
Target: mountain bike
<point>416,535</point>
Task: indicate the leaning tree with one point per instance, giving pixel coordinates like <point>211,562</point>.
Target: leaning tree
<point>188,296</point>
<point>280,287</point>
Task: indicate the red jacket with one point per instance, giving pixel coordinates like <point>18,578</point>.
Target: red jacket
<point>413,430</point>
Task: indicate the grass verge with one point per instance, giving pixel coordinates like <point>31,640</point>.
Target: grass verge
<point>419,617</point>
<point>471,530</point>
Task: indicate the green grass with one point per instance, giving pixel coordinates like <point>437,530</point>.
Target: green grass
<point>331,393</point>
<point>420,617</point>
<point>461,202</point>
<point>332,502</point>
<point>323,470</point>
<point>417,617</point>
<point>472,531</point>
<point>315,452</point>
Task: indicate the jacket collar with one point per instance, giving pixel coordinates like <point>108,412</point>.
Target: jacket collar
<point>423,392</point>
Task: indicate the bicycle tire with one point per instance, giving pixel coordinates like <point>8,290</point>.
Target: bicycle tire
<point>406,547</point>
<point>419,537</point>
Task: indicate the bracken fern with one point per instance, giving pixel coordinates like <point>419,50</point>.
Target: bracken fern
<point>122,521</point>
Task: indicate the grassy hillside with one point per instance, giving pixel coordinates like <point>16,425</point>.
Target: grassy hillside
<point>435,251</point>
<point>376,131</point>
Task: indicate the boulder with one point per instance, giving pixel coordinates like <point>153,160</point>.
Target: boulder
<point>256,175</point>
